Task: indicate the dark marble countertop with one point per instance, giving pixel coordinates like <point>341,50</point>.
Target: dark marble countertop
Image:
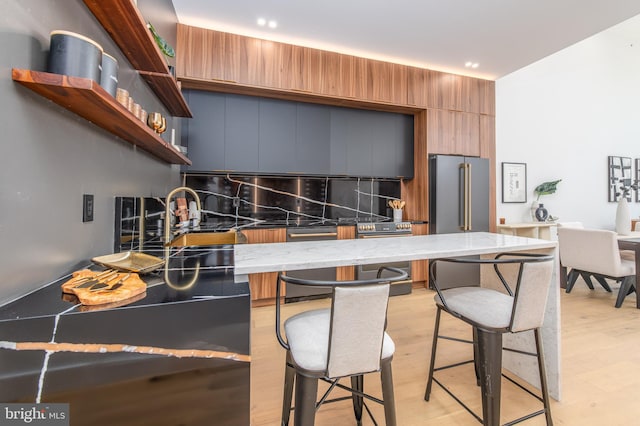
<point>187,339</point>
<point>212,268</point>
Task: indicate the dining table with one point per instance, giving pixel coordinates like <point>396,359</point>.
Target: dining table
<point>632,242</point>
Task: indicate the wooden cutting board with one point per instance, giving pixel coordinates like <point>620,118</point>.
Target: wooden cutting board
<point>131,287</point>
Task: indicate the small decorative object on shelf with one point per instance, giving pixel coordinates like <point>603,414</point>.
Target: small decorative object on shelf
<point>165,47</point>
<point>541,213</point>
<point>538,211</point>
<point>157,122</point>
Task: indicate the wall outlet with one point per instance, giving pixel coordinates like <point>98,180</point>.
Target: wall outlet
<point>87,207</point>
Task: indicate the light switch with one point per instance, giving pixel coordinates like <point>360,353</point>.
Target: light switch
<point>87,207</point>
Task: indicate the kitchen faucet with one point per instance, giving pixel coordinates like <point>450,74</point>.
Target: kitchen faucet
<point>167,212</point>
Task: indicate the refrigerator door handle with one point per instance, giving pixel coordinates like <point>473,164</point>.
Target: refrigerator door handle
<point>468,195</point>
<point>462,205</point>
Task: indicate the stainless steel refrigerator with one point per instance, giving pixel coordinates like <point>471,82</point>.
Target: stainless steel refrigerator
<point>458,202</point>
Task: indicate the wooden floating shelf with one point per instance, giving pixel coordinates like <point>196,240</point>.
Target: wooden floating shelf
<point>90,101</point>
<point>128,29</point>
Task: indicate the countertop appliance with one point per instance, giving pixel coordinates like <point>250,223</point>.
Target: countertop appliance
<point>385,230</point>
<point>296,293</point>
<point>458,202</point>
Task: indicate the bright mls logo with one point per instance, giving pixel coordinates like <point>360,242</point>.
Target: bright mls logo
<point>34,414</point>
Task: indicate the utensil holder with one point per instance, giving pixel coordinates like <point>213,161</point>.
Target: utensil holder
<point>397,215</point>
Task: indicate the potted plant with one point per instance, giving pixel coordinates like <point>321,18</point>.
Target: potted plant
<point>165,47</point>
<point>538,212</point>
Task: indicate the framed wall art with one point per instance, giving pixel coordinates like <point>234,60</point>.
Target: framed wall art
<point>620,176</point>
<point>514,182</point>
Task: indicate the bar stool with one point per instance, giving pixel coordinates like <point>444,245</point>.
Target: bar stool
<point>492,313</point>
<point>346,340</point>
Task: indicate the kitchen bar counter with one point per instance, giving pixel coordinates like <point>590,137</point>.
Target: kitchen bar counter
<point>180,355</point>
<point>275,257</point>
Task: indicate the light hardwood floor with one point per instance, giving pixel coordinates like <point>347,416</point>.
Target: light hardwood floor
<point>600,366</point>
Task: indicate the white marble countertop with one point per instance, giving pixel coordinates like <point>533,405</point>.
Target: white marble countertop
<point>275,257</point>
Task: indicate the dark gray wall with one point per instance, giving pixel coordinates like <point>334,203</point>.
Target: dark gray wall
<point>50,156</point>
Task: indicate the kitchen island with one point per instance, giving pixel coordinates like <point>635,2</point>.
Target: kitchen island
<point>178,356</point>
<point>276,257</point>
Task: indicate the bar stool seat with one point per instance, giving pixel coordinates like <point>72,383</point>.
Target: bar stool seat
<point>308,334</point>
<point>472,303</point>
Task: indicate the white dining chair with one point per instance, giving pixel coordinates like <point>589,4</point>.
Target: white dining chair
<point>595,252</point>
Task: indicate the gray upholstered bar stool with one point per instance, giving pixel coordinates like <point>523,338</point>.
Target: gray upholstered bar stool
<point>346,340</point>
<point>492,313</point>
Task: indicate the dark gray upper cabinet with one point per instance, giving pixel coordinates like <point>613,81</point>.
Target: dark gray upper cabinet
<point>258,135</point>
<point>204,134</point>
<point>241,134</point>
<point>313,139</point>
<point>277,140</point>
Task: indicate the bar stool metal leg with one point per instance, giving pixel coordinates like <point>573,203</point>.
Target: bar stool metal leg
<point>490,366</point>
<point>357,383</point>
<point>289,376</point>
<point>436,330</point>
<point>543,377</point>
<point>386,377</point>
<point>306,393</point>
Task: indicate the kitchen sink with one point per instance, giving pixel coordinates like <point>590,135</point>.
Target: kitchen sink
<point>208,239</point>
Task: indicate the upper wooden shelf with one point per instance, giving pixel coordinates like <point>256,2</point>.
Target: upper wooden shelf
<point>89,100</point>
<point>127,27</point>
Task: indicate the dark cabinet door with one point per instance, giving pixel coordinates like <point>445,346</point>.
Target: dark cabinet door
<point>277,140</point>
<point>360,138</point>
<point>313,139</point>
<point>241,133</point>
<point>204,134</point>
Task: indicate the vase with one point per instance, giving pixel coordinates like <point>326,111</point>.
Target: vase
<point>541,213</point>
<point>534,207</point>
<point>623,217</point>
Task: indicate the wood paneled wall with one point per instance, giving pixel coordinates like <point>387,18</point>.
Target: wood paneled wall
<point>454,114</point>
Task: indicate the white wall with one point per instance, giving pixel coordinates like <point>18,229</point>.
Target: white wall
<point>563,116</point>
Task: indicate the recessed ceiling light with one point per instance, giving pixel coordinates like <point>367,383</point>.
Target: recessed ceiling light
<point>273,24</point>
<point>475,65</point>
<point>262,22</point>
<point>470,64</point>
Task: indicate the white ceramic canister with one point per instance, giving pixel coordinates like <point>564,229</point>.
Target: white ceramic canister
<point>109,74</point>
<point>74,55</point>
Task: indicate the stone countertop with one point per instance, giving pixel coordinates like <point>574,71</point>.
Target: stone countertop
<point>112,366</point>
<point>275,257</point>
<point>215,279</point>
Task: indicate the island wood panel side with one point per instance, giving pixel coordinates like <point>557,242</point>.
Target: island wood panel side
<point>420,268</point>
<point>344,273</point>
<point>263,285</point>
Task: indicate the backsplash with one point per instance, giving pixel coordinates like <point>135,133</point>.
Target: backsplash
<point>242,201</point>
